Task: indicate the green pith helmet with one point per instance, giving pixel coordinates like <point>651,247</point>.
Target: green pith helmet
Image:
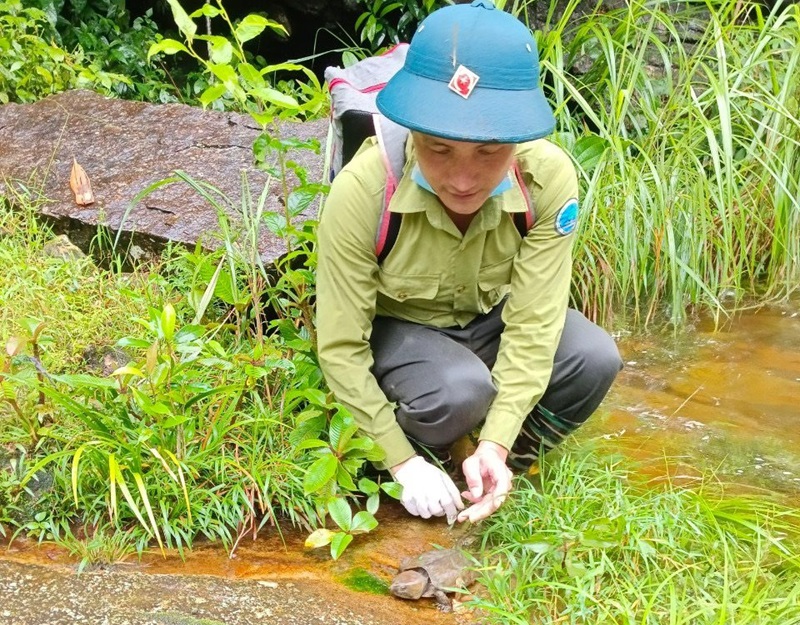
<point>471,74</point>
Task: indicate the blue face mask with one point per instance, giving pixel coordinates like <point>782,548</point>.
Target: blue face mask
<point>416,176</point>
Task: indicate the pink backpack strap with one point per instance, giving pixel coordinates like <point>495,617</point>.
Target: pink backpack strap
<point>392,143</point>
<point>524,221</point>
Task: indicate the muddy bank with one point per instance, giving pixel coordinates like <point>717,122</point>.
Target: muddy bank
<point>270,580</point>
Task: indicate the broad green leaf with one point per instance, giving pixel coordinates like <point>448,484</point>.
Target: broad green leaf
<point>182,20</point>
<point>273,96</point>
<point>337,426</point>
<point>167,46</point>
<point>168,321</point>
<point>175,420</point>
<point>262,119</point>
<point>253,25</point>
<point>646,548</point>
<point>373,503</point>
<point>85,381</point>
<point>344,478</point>
<point>575,568</point>
<point>363,522</point>
<point>299,200</point>
<point>347,434</point>
<point>602,536</point>
<point>389,8</point>
<point>320,473</point>
<point>313,395</point>
<point>311,443</point>
<point>221,49</point>
<point>362,443</point>
<point>251,75</point>
<point>129,370</point>
<point>340,512</point>
<point>276,223</point>
<point>376,454</point>
<point>339,544</point>
<point>588,151</point>
<point>207,10</point>
<point>367,486</point>
<point>284,67</point>
<point>319,538</point>
<point>225,73</point>
<point>393,489</point>
<point>538,545</point>
<point>131,342</point>
<point>348,58</point>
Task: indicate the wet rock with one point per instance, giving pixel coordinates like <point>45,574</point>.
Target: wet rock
<point>61,247</point>
<point>125,147</point>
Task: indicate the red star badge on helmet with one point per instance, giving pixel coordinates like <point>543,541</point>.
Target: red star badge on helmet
<point>463,81</point>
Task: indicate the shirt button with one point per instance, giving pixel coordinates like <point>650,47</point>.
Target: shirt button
<point>460,289</point>
<point>402,296</point>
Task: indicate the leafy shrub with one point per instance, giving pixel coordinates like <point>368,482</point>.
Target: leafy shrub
<point>35,66</point>
<point>102,32</point>
<point>231,79</point>
<point>381,24</point>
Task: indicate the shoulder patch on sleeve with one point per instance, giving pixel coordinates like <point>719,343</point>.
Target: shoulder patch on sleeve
<point>567,217</point>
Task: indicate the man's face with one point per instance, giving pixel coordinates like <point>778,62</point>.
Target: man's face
<point>463,174</point>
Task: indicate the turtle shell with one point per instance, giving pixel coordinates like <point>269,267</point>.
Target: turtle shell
<point>445,568</point>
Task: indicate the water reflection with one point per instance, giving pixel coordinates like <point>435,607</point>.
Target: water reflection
<point>727,401</point>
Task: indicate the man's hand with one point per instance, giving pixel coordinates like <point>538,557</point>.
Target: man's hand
<point>488,480</point>
<point>427,490</point>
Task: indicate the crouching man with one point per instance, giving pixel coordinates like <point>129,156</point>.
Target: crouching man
<point>465,321</point>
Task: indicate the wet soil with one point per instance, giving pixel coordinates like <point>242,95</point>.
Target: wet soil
<point>725,401</point>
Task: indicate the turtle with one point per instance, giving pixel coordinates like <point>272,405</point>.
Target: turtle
<point>432,574</point>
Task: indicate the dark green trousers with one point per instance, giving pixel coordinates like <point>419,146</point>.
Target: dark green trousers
<point>441,380</point>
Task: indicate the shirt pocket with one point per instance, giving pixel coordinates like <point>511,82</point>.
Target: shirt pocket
<point>416,293</point>
<point>493,282</point>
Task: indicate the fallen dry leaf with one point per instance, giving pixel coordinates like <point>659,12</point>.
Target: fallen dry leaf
<point>79,183</point>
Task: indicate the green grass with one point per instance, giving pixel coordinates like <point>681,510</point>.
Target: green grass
<point>79,304</point>
<point>192,438</point>
<point>690,176</point>
<point>587,541</point>
<point>214,423</point>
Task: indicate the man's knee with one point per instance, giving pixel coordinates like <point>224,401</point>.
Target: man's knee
<point>589,358</point>
<point>455,408</point>
<point>601,361</point>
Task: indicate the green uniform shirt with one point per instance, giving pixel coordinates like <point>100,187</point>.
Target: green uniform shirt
<point>436,276</point>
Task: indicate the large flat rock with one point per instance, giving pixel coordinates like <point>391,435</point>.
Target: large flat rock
<point>125,147</point>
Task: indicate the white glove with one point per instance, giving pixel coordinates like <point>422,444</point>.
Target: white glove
<point>427,490</point>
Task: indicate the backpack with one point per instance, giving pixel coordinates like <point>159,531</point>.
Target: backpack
<point>355,117</point>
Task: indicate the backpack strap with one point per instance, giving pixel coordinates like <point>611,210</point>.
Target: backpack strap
<point>392,143</point>
<point>523,221</point>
